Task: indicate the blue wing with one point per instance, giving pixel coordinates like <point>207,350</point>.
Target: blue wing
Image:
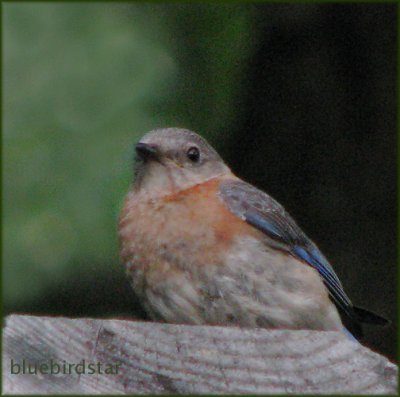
<point>266,215</point>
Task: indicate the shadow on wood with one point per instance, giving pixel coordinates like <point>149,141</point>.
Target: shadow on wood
<point>182,359</point>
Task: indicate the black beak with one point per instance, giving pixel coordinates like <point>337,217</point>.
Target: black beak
<point>147,151</point>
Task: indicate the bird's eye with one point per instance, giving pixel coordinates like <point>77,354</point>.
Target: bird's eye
<point>193,154</point>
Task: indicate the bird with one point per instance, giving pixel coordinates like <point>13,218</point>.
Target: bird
<point>201,246</point>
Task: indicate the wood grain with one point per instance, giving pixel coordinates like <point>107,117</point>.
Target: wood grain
<point>180,359</point>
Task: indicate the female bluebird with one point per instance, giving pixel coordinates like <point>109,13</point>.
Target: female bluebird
<point>203,247</point>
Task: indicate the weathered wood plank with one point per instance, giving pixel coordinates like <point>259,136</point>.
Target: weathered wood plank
<point>166,358</point>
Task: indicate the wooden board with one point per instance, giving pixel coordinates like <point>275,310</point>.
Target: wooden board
<point>181,359</point>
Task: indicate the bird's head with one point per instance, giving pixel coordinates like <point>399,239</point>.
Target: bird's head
<point>170,160</point>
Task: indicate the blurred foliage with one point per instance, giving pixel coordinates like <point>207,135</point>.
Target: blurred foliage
<point>82,82</point>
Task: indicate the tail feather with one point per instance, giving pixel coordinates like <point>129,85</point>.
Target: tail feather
<point>368,317</point>
<point>353,323</point>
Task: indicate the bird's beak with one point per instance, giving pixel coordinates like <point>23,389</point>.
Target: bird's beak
<point>147,151</point>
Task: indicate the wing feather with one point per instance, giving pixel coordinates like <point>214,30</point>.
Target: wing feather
<point>264,213</point>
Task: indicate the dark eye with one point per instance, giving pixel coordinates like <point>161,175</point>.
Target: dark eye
<point>193,154</point>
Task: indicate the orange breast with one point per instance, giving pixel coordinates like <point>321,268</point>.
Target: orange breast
<point>191,226</point>
<point>200,209</point>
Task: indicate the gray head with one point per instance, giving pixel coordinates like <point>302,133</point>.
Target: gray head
<point>171,159</point>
